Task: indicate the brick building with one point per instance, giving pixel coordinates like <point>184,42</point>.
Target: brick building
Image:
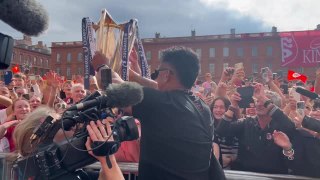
<point>67,58</point>
<point>255,50</point>
<point>36,57</point>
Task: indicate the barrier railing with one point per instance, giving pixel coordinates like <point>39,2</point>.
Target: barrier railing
<point>130,170</point>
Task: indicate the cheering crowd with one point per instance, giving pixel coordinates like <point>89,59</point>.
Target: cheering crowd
<point>250,124</point>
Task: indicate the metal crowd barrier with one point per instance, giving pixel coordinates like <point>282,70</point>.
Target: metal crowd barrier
<point>130,170</point>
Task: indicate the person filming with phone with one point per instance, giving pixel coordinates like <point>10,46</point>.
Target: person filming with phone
<point>258,151</point>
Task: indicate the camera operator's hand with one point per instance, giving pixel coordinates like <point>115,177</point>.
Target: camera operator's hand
<point>100,132</point>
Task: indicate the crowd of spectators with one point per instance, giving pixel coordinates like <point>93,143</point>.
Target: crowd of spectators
<point>268,135</point>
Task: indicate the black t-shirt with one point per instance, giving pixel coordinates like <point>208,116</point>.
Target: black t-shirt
<point>175,141</point>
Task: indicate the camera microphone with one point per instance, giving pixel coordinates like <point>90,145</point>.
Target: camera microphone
<point>117,95</point>
<point>307,93</point>
<point>26,16</point>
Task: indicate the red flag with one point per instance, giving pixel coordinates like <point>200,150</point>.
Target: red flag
<point>15,69</point>
<point>296,76</point>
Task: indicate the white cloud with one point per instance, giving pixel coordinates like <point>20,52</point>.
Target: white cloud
<point>287,15</point>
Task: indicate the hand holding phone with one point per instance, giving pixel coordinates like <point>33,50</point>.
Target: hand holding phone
<point>238,66</point>
<point>300,108</point>
<point>246,94</point>
<point>294,94</point>
<point>32,77</point>
<point>274,76</point>
<point>264,74</point>
<point>285,88</point>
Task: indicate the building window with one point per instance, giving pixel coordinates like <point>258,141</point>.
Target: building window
<point>255,68</point>
<point>68,72</point>
<point>199,68</point>
<point>13,56</point>
<point>198,52</point>
<point>212,52</point>
<point>211,69</point>
<point>225,52</point>
<point>80,57</point>
<point>80,70</point>
<point>240,52</point>
<point>69,57</point>
<point>20,59</point>
<point>47,63</point>
<point>269,51</point>
<point>34,61</point>
<point>225,66</point>
<point>300,70</point>
<point>148,55</point>
<point>254,51</point>
<point>58,58</point>
<point>40,62</point>
<point>58,71</point>
<point>160,55</point>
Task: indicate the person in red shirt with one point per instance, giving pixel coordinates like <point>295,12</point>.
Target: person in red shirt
<point>21,108</point>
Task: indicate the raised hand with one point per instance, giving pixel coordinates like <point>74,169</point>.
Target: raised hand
<point>282,140</point>
<point>227,74</point>
<point>258,92</point>
<point>235,98</point>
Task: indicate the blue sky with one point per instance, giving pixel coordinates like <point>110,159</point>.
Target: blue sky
<point>177,17</point>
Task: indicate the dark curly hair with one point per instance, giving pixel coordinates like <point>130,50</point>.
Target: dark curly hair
<point>185,63</point>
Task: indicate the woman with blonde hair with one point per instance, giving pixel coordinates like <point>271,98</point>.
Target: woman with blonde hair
<point>24,130</point>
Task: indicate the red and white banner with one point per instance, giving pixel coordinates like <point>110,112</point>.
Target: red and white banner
<point>300,48</point>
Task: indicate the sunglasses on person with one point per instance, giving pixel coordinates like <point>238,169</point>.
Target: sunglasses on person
<point>156,72</point>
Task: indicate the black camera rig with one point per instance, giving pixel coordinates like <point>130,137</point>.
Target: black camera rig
<point>53,161</point>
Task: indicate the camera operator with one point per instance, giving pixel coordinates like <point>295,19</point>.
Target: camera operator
<point>97,132</point>
<point>176,127</point>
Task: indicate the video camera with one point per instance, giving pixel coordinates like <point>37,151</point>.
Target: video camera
<point>54,161</point>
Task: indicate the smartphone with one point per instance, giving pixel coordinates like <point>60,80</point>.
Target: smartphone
<point>238,66</point>
<point>32,77</point>
<point>300,84</point>
<point>7,77</point>
<point>106,78</point>
<point>294,94</point>
<point>285,88</point>
<point>246,94</point>
<point>300,107</point>
<point>280,74</point>
<point>274,76</point>
<point>26,96</point>
<point>230,71</point>
<point>264,74</point>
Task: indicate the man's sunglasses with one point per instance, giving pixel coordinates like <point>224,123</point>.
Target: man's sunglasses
<point>156,72</point>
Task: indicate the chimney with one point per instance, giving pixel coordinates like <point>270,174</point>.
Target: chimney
<point>274,29</point>
<point>27,40</point>
<point>157,35</point>
<point>232,31</point>
<point>193,33</point>
<point>40,44</point>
